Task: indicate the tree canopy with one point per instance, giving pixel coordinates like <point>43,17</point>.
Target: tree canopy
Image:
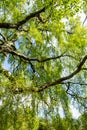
<point>43,56</point>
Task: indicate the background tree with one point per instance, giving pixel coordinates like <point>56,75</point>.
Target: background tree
<point>43,46</point>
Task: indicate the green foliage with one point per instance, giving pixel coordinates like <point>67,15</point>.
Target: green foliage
<point>83,121</point>
<point>43,53</point>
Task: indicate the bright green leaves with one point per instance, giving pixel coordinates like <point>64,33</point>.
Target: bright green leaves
<point>35,33</point>
<point>83,121</point>
<point>35,64</point>
<point>77,40</point>
<point>12,10</point>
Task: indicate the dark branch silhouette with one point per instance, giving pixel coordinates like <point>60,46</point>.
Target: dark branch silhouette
<point>59,81</point>
<point>23,21</point>
<point>28,59</point>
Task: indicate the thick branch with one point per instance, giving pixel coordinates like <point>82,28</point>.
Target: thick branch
<point>21,22</point>
<point>8,25</point>
<point>59,81</point>
<point>32,15</point>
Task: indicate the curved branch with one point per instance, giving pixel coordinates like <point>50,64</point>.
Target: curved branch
<point>59,81</point>
<point>21,22</point>
<point>32,15</point>
<point>28,59</point>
